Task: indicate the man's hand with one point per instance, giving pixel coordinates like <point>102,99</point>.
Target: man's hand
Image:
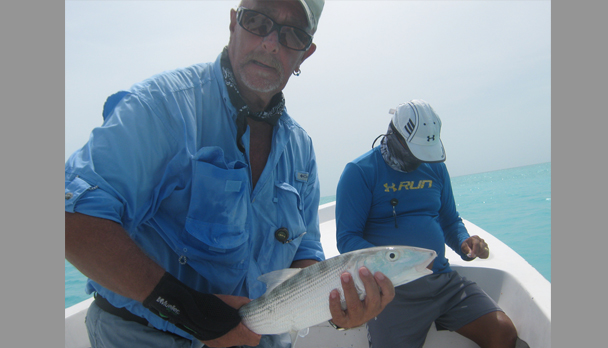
<point>475,247</point>
<point>379,292</point>
<point>240,335</point>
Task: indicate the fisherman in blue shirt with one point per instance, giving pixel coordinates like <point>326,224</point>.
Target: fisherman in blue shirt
<point>399,193</point>
<point>197,183</point>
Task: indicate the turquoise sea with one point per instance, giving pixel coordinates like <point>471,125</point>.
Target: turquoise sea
<point>512,204</point>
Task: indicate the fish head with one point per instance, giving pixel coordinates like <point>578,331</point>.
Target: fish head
<point>401,264</point>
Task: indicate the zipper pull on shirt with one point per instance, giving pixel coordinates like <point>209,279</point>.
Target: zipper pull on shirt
<point>394,203</point>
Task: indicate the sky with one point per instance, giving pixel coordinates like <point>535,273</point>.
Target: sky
<point>484,66</point>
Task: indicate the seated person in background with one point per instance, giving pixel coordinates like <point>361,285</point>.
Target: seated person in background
<point>399,193</point>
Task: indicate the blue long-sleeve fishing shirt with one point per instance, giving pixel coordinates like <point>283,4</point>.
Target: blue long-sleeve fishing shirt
<point>425,214</point>
<point>165,165</point>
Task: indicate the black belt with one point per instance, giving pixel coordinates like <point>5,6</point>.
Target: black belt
<point>119,312</point>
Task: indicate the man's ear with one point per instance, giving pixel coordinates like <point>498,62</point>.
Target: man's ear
<point>233,21</point>
<point>308,53</point>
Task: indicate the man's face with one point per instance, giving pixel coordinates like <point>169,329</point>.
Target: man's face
<point>262,65</point>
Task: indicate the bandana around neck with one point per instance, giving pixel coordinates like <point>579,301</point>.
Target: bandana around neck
<point>270,115</point>
<point>395,155</point>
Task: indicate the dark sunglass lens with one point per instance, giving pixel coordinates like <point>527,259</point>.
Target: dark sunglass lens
<point>295,38</point>
<point>256,23</point>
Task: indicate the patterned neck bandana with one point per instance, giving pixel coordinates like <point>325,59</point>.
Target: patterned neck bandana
<point>270,115</point>
<point>396,155</point>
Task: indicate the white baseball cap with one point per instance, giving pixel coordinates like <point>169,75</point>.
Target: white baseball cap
<point>313,10</point>
<point>419,125</point>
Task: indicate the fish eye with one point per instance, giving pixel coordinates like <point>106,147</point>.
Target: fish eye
<point>392,256</point>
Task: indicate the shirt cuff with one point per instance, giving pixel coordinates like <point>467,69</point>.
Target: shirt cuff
<point>81,197</point>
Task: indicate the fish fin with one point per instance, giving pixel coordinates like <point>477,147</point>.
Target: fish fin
<point>273,279</point>
<point>294,333</point>
<point>294,337</point>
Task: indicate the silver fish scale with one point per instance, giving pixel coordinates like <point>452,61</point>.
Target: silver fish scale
<point>266,315</point>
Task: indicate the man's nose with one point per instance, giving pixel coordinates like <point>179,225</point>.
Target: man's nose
<point>271,42</point>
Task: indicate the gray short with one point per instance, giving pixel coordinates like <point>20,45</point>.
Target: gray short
<point>109,331</point>
<point>448,299</point>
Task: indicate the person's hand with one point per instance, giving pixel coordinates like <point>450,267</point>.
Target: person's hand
<point>379,292</point>
<point>475,247</point>
<point>240,335</point>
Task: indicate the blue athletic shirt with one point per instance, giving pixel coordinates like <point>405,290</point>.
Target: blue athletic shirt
<point>426,214</point>
<point>165,166</point>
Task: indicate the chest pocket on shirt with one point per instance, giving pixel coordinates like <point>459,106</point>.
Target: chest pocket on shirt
<point>217,216</point>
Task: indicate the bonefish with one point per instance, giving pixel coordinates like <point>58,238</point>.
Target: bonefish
<point>297,298</point>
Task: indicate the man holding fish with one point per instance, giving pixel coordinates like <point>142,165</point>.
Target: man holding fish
<point>399,193</point>
<point>197,183</point>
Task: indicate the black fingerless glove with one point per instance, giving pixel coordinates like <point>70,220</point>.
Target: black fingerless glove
<point>204,316</point>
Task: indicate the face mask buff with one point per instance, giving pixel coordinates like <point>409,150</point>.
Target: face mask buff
<point>396,155</point>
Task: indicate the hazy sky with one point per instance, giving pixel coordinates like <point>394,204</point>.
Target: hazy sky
<point>484,66</point>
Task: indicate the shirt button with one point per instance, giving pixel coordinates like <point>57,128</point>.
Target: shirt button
<point>282,234</point>
<point>69,195</point>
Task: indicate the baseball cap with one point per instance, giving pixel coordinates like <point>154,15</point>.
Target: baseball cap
<point>313,10</point>
<point>419,125</point>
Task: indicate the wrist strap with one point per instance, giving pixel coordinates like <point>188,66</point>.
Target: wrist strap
<point>204,316</point>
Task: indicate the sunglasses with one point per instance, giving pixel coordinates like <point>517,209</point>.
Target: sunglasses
<point>261,25</point>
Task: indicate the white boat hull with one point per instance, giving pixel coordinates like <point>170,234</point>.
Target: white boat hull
<point>519,289</point>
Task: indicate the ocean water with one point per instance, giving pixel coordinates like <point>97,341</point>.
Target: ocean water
<point>512,204</point>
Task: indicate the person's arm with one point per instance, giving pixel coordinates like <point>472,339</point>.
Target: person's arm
<point>302,263</point>
<point>456,235</point>
<point>102,250</point>
<point>108,192</point>
<point>353,202</point>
